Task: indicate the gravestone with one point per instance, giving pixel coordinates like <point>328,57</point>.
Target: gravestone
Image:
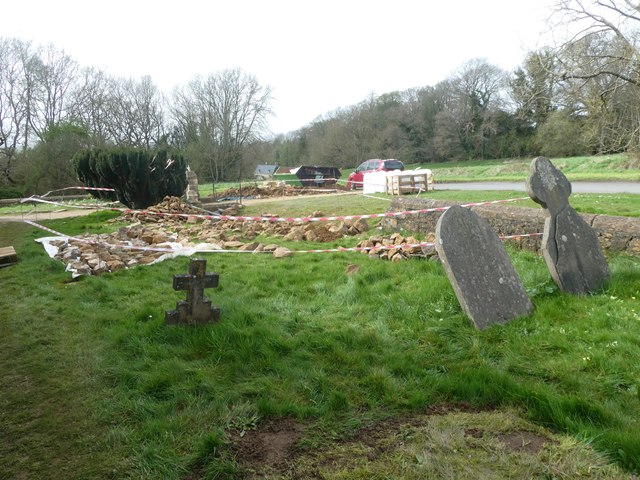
<point>192,195</point>
<point>569,245</point>
<point>479,269</point>
<point>196,310</point>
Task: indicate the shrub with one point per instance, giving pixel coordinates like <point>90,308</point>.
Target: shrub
<point>140,178</point>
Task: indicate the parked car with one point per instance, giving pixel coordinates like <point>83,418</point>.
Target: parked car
<point>356,178</point>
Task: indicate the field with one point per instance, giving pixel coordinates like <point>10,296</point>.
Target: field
<point>322,366</point>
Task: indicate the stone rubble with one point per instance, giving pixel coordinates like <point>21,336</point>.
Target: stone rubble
<point>97,254</point>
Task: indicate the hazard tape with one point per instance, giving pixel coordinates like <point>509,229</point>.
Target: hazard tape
<point>99,189</point>
<point>317,219</point>
<point>373,249</point>
<point>60,204</point>
<point>289,219</point>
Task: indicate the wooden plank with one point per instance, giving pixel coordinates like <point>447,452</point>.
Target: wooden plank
<point>7,256</point>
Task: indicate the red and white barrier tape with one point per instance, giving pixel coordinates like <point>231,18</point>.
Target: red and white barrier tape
<point>320,219</point>
<point>99,189</point>
<point>194,249</point>
<point>293,219</point>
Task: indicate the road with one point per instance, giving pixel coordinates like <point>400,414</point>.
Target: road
<point>576,187</point>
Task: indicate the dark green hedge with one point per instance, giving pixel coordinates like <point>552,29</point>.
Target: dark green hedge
<point>141,178</point>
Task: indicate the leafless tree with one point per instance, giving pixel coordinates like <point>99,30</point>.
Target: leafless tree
<point>136,112</point>
<point>599,57</point>
<point>90,104</point>
<point>16,85</point>
<point>54,75</point>
<point>222,113</point>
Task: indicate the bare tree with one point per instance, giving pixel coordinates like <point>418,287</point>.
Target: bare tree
<point>135,112</point>
<point>54,74</point>
<point>16,85</point>
<point>225,112</point>
<point>89,104</point>
<point>600,61</point>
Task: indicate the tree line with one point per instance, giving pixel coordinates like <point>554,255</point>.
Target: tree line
<point>581,96</point>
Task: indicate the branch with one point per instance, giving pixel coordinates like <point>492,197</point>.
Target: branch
<point>567,76</point>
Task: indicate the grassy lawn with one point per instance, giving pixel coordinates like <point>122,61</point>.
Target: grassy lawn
<point>621,204</point>
<point>378,372</point>
<point>594,168</point>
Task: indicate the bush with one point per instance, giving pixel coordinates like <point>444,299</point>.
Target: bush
<point>11,192</point>
<point>561,136</point>
<point>140,178</point>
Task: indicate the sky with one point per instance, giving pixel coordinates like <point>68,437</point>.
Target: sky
<point>316,56</point>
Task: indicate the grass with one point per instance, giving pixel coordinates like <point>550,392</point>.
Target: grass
<point>95,386</point>
<point>591,168</point>
<point>621,204</point>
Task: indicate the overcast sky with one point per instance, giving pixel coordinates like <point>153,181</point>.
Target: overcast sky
<point>315,55</point>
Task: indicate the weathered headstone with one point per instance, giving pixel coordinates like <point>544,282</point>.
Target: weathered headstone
<point>192,195</point>
<point>479,269</point>
<point>569,245</point>
<point>197,309</point>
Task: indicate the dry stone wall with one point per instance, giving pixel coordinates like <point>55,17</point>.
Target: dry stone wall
<point>616,234</point>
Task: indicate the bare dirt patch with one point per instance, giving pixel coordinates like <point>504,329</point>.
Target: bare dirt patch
<point>268,449</point>
<point>527,442</point>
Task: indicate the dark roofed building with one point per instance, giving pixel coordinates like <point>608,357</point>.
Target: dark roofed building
<point>264,172</point>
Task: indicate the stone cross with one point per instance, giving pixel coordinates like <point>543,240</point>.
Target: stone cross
<point>479,269</point>
<point>197,309</point>
<point>570,246</point>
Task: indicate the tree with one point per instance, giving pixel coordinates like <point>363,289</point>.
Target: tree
<point>90,105</point>
<point>54,75</point>
<point>15,100</point>
<point>223,113</point>
<point>561,135</point>
<point>48,165</point>
<point>136,113</point>
<point>601,65</point>
<point>533,87</point>
<point>140,177</point>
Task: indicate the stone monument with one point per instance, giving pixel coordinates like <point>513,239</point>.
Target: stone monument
<point>569,245</point>
<point>192,195</point>
<point>479,269</point>
<point>196,310</point>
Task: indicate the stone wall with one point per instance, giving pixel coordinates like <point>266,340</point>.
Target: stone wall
<point>616,234</point>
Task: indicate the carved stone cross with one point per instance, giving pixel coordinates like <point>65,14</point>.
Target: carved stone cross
<point>569,245</point>
<point>197,309</point>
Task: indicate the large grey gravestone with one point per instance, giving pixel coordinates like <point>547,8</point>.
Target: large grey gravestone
<point>479,269</point>
<point>569,245</point>
<point>197,309</point>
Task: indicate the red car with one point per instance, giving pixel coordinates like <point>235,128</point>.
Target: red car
<point>356,178</point>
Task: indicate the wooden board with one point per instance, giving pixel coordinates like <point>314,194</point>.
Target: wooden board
<point>7,256</point>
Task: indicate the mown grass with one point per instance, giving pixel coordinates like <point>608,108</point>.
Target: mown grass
<point>594,168</point>
<point>95,386</point>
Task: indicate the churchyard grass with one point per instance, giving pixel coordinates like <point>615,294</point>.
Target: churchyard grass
<point>622,204</point>
<point>95,386</point>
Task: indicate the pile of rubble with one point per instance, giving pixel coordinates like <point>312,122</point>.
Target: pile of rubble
<point>396,248</point>
<point>97,254</point>
<point>152,238</point>
<point>270,189</point>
